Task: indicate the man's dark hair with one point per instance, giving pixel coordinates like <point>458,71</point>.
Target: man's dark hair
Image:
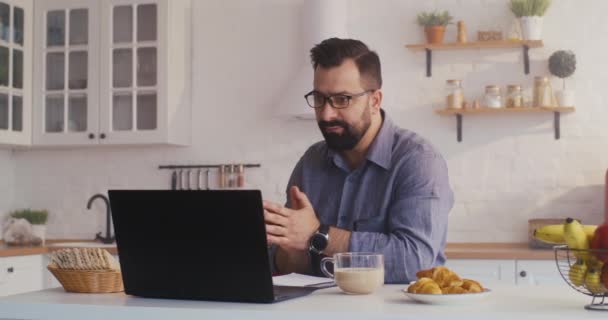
<point>333,51</point>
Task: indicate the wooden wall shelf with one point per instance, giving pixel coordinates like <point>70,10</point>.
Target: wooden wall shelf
<point>428,48</point>
<point>557,111</point>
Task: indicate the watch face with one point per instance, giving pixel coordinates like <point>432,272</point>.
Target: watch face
<point>319,242</point>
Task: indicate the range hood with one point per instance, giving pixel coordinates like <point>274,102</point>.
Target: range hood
<point>321,19</point>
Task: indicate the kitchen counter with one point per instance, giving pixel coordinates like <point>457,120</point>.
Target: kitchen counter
<point>453,250</point>
<point>505,302</point>
<point>11,251</point>
<point>519,251</point>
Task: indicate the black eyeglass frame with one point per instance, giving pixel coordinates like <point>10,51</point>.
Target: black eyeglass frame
<point>349,97</point>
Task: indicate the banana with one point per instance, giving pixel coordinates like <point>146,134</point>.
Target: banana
<point>577,272</point>
<point>575,237</point>
<point>593,281</point>
<point>554,233</point>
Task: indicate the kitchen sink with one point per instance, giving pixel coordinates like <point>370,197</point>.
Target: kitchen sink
<point>83,244</point>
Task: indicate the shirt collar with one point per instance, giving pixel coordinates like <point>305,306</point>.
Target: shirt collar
<point>380,151</point>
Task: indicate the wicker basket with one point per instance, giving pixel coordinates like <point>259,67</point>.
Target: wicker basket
<point>87,281</point>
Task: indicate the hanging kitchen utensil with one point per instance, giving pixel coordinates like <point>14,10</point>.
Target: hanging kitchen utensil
<point>186,180</point>
<point>199,179</point>
<point>174,180</point>
<point>179,180</point>
<point>207,179</point>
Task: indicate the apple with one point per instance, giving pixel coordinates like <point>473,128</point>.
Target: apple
<point>600,241</point>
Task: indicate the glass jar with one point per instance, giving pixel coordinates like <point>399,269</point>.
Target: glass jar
<point>492,98</point>
<point>514,97</point>
<point>543,93</point>
<point>454,94</point>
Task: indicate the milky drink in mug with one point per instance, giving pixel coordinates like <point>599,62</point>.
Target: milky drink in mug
<point>356,272</point>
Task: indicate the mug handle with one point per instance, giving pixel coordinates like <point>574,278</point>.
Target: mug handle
<point>324,261</point>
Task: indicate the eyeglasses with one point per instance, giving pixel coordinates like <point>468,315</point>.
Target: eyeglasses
<point>317,100</point>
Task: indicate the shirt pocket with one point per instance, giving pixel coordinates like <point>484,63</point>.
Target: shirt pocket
<point>373,224</point>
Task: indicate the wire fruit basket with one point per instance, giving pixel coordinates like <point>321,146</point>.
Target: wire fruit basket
<point>569,263</point>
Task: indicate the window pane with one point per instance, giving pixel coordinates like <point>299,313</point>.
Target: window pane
<point>123,24</point>
<point>122,111</point>
<point>54,113</point>
<point>55,35</point>
<point>55,66</point>
<point>17,68</point>
<point>146,111</point>
<point>3,111</point>
<point>146,67</point>
<point>122,64</point>
<point>17,113</point>
<point>77,113</point>
<point>4,66</point>
<point>5,21</point>
<point>79,26</point>
<point>78,70</point>
<point>18,28</point>
<point>146,22</point>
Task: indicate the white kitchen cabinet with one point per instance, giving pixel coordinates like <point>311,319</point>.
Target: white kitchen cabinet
<point>484,271</point>
<point>16,40</point>
<point>121,76</point>
<point>21,274</point>
<point>537,272</point>
<point>520,272</point>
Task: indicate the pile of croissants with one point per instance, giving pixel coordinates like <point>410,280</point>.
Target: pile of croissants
<point>441,280</point>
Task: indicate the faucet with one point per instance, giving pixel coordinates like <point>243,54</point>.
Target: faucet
<point>108,238</point>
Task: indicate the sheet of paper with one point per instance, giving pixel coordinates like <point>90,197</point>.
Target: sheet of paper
<point>301,280</point>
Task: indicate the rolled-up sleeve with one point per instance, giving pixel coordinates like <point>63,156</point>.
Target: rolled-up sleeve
<point>417,219</point>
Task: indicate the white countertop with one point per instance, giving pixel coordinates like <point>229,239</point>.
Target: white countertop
<point>505,302</point>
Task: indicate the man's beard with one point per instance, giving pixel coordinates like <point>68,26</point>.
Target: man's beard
<point>350,135</point>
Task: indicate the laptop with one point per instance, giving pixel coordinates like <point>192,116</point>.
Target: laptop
<point>195,244</point>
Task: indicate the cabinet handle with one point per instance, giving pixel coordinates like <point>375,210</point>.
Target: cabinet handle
<point>102,136</point>
<point>523,274</point>
<point>91,136</point>
<point>10,270</point>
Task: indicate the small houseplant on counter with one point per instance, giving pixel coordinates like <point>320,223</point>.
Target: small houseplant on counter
<point>530,14</point>
<point>562,64</point>
<point>33,235</point>
<point>434,24</point>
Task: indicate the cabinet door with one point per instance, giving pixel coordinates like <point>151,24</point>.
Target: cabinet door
<point>16,19</point>
<point>537,272</point>
<point>66,84</point>
<point>21,274</point>
<point>484,271</point>
<point>133,76</point>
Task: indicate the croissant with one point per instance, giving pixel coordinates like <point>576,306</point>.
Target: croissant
<point>451,290</point>
<point>472,285</point>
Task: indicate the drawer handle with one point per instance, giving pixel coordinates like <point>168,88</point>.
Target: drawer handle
<point>523,274</point>
<point>10,270</point>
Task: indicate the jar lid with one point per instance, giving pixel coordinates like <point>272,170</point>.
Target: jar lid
<point>514,87</point>
<point>541,79</point>
<point>492,89</point>
<point>453,81</point>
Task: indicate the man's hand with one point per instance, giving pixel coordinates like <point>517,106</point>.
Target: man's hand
<point>291,228</point>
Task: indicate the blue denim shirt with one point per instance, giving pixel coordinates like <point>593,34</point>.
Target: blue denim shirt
<point>396,203</point>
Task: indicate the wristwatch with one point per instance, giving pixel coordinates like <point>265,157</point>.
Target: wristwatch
<point>319,240</point>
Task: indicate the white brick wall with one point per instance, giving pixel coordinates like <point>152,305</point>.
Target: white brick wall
<point>508,168</point>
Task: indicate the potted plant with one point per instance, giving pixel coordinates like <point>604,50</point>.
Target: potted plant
<point>562,64</point>
<point>530,14</point>
<point>37,218</point>
<point>434,24</point>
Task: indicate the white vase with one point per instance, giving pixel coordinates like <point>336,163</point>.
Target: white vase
<point>565,98</point>
<point>531,27</point>
<point>39,230</point>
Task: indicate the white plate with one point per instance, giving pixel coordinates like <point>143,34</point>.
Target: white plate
<point>457,298</point>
